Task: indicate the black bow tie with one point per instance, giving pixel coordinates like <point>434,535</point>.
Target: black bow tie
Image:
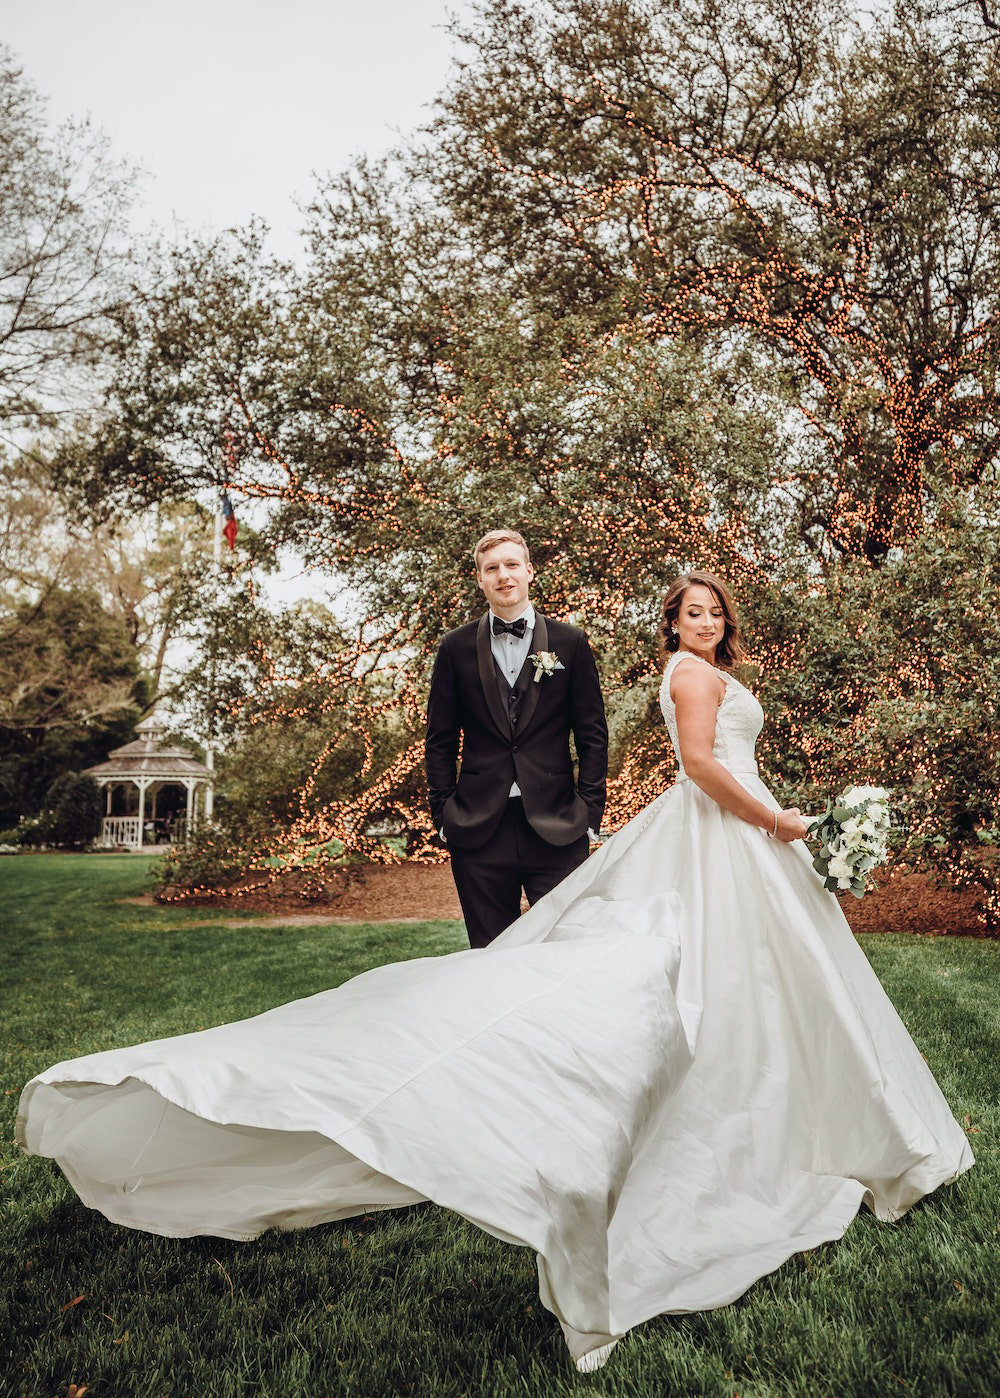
<point>516,628</point>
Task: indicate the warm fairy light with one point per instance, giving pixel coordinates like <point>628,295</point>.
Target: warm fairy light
<point>824,318</point>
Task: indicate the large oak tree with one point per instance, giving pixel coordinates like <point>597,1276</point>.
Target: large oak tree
<point>821,184</point>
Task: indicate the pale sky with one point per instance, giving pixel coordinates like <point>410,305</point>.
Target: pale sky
<point>230,105</point>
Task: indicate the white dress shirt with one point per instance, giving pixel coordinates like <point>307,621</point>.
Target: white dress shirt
<point>510,652</point>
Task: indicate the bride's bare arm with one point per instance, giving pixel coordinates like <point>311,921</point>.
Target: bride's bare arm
<point>697,692</point>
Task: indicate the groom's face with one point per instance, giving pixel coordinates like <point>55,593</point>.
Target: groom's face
<point>505,576</point>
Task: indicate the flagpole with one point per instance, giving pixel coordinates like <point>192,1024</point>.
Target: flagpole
<point>209,746</point>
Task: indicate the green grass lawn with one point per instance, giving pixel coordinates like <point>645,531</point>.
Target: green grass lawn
<point>418,1301</point>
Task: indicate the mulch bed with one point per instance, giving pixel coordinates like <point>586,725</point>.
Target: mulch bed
<point>367,893</point>
<point>911,903</point>
<point>426,893</point>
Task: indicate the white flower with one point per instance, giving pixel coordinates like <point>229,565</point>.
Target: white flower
<point>546,662</point>
<point>853,833</point>
<point>857,795</point>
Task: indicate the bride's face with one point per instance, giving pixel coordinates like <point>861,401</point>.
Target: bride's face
<point>701,623</point>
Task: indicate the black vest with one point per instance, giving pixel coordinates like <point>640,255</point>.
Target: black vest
<point>512,696</point>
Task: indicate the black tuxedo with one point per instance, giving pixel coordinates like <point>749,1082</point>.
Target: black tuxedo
<point>508,734</point>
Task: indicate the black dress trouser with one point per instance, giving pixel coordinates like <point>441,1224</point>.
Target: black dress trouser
<point>490,879</point>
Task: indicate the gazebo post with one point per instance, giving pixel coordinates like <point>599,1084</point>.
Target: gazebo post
<point>189,787</point>
<point>142,784</point>
<point>109,788</point>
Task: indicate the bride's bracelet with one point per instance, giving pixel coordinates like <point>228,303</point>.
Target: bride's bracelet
<point>771,833</point>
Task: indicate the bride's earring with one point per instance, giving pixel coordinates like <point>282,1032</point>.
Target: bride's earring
<point>675,630</point>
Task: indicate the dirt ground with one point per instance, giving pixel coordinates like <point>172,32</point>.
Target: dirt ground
<point>425,892</point>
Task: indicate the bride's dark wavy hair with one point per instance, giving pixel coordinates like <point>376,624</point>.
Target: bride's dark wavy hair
<point>730,650</point>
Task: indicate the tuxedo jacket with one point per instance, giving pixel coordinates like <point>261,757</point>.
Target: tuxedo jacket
<point>521,736</point>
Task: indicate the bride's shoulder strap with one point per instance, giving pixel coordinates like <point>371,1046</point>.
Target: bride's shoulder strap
<point>680,655</point>
<point>673,664</point>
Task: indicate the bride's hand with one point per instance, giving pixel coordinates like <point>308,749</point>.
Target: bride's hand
<point>791,826</point>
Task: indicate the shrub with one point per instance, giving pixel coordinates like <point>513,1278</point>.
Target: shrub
<point>75,806</point>
<point>212,857</point>
<point>891,677</point>
<point>34,832</point>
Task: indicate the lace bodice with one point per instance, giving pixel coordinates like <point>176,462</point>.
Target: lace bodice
<point>738,722</point>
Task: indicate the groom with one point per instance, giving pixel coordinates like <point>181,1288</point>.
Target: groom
<point>508,690</point>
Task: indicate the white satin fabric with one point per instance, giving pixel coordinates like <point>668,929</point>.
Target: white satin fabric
<point>673,1073</point>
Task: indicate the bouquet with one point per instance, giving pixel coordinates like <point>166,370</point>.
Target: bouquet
<point>853,832</point>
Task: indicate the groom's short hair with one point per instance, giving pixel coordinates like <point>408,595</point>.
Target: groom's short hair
<point>499,536</point>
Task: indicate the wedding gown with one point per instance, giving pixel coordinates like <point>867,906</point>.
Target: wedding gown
<point>674,1072</point>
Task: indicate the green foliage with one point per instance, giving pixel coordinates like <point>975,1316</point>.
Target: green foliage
<point>64,662</point>
<point>211,857</point>
<point>70,817</point>
<point>35,831</point>
<point>891,677</point>
<point>71,687</point>
<point>210,326</point>
<point>30,761</point>
<point>90,620</point>
<point>418,1300</point>
<point>301,725</point>
<point>795,177</point>
<point>75,804</point>
<point>279,771</point>
<point>277,782</point>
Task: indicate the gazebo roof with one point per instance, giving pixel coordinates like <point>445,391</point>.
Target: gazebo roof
<point>146,758</point>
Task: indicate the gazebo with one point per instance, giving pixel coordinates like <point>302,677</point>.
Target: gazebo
<point>145,773</point>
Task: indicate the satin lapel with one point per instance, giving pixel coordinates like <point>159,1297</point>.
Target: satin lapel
<point>539,641</point>
<point>488,679</point>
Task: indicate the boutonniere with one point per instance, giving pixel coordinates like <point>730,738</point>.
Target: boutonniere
<point>546,662</point>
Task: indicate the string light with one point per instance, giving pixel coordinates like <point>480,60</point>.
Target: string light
<point>825,317</point>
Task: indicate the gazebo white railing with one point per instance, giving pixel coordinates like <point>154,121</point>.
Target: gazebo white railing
<point>121,830</point>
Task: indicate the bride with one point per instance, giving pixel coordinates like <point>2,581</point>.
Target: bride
<point>674,1072</point>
